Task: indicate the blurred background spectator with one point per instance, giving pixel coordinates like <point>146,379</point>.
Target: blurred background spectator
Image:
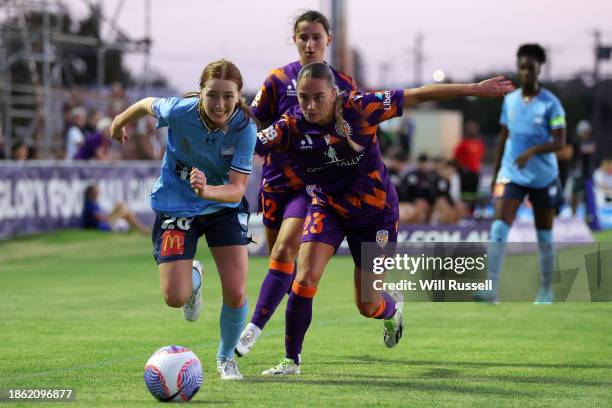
<point>145,142</point>
<point>583,147</point>
<point>97,145</point>
<point>119,219</point>
<point>469,154</point>
<point>415,192</point>
<point>75,136</point>
<point>602,180</point>
<point>21,151</point>
<point>93,117</point>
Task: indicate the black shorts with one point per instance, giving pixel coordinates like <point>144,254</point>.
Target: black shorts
<point>469,183</point>
<point>550,196</point>
<point>176,238</point>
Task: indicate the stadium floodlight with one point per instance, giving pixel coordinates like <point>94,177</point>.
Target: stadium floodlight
<point>438,75</point>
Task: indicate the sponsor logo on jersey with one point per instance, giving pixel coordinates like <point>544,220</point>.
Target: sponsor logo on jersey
<point>256,99</point>
<point>339,162</point>
<point>385,97</point>
<point>292,88</point>
<point>306,143</point>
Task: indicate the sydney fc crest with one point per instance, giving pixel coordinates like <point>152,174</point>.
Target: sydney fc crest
<point>227,152</point>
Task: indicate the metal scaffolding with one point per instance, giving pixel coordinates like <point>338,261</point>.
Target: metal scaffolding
<point>32,110</point>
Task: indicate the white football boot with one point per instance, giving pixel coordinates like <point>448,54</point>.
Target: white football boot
<point>228,369</point>
<point>247,339</point>
<point>286,367</point>
<point>394,326</point>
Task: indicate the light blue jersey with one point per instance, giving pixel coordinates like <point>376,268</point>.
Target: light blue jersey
<point>530,124</point>
<point>191,144</point>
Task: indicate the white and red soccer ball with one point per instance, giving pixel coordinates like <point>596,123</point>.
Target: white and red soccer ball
<point>173,373</point>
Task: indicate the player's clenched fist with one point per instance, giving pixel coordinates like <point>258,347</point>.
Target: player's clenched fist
<point>197,180</point>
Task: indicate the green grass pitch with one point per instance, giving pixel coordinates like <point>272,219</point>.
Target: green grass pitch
<point>83,310</point>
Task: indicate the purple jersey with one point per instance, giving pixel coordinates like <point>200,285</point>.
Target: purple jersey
<point>277,94</point>
<point>351,179</point>
<point>90,147</point>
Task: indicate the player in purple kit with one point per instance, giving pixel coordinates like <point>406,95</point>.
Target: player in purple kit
<point>282,192</point>
<point>332,138</point>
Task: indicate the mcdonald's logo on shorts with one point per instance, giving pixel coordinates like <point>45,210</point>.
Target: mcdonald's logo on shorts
<point>172,243</point>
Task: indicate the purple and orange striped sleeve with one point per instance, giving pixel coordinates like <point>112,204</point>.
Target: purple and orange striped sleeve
<point>263,106</point>
<point>272,138</point>
<point>377,107</point>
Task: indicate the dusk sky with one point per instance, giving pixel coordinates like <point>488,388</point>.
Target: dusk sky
<point>461,37</point>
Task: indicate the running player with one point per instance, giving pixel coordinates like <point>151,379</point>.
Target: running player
<point>282,192</point>
<point>532,130</point>
<point>333,139</point>
<point>205,169</point>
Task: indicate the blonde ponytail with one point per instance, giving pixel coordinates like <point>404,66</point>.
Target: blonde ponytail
<point>342,126</point>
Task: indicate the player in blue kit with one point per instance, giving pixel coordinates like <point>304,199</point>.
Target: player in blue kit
<point>204,175</point>
<point>532,130</point>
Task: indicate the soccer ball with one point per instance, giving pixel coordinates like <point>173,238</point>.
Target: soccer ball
<point>173,373</point>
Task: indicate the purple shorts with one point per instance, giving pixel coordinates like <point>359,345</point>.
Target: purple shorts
<point>278,206</point>
<point>323,224</point>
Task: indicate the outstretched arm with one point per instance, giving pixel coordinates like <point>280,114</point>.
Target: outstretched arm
<point>490,88</point>
<point>138,110</point>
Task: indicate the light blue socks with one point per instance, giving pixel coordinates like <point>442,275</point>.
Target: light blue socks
<point>547,257</point>
<point>232,322</point>
<point>196,279</point>
<point>495,253</point>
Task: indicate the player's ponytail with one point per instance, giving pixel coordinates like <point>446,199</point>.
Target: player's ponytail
<point>342,126</point>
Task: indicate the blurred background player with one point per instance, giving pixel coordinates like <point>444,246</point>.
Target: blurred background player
<point>584,152</point>
<point>204,174</point>
<point>283,194</point>
<point>118,219</point>
<point>532,130</point>
<point>354,197</point>
<point>468,155</point>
